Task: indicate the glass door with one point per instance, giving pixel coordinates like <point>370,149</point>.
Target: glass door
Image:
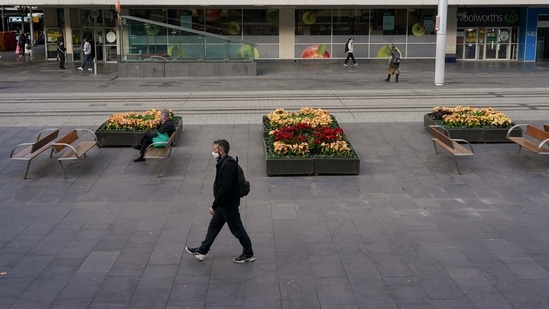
<point>99,40</point>
<point>542,45</point>
<point>471,44</point>
<point>504,37</point>
<point>497,44</point>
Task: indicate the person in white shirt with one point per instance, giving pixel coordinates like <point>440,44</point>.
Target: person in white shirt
<point>349,50</point>
<point>87,56</point>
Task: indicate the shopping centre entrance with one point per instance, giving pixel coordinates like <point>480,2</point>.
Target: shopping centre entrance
<point>487,43</point>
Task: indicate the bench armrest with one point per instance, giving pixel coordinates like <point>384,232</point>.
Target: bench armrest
<point>66,146</point>
<point>459,140</point>
<point>20,145</point>
<point>521,126</point>
<point>540,145</point>
<point>88,131</point>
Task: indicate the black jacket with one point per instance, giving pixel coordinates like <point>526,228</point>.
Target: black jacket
<point>167,127</point>
<point>224,187</point>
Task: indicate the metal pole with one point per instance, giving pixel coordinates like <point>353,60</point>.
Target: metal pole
<point>2,9</point>
<point>31,27</point>
<point>440,26</point>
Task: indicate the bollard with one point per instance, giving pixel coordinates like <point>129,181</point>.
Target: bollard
<point>94,66</point>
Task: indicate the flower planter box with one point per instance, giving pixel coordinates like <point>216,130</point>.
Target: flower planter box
<point>129,138</point>
<point>289,166</point>
<point>311,166</point>
<point>336,166</point>
<point>476,135</point>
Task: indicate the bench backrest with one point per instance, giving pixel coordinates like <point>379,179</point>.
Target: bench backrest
<point>536,133</point>
<point>441,136</point>
<point>67,139</point>
<point>44,140</point>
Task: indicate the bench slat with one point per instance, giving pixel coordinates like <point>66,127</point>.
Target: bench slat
<point>536,133</point>
<point>528,144</point>
<point>81,149</point>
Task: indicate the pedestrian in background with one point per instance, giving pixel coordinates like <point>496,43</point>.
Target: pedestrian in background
<point>224,208</point>
<point>349,50</point>
<point>61,54</point>
<point>87,56</point>
<point>394,64</point>
<point>21,43</point>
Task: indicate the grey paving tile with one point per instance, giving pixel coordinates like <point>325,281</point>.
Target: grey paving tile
<point>150,297</point>
<point>99,262</point>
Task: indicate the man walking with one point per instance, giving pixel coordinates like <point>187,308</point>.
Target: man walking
<point>394,64</point>
<point>225,206</point>
<point>87,55</point>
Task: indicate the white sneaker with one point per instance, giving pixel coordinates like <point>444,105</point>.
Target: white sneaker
<point>80,68</point>
<point>345,65</point>
<point>356,64</point>
<point>90,69</point>
<point>196,252</point>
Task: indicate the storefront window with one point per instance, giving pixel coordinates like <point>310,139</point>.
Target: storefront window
<point>421,25</point>
<point>313,22</point>
<point>261,27</point>
<point>313,33</point>
<point>388,22</point>
<point>260,22</point>
<point>352,22</point>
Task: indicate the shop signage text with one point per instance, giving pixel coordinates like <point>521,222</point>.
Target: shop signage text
<point>488,17</point>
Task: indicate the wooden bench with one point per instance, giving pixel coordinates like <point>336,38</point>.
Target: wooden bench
<point>76,147</point>
<point>452,145</point>
<point>546,127</point>
<point>534,139</point>
<point>161,153</point>
<point>32,150</point>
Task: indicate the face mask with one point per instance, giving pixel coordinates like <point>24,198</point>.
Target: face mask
<point>215,155</point>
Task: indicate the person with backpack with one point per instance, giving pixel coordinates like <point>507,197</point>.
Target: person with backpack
<point>394,64</point>
<point>349,51</point>
<point>224,208</point>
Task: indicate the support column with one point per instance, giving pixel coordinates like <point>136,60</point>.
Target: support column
<point>286,33</point>
<point>442,19</point>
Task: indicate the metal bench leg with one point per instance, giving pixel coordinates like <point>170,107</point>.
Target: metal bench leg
<point>520,147</point>
<point>457,166</point>
<point>435,145</point>
<point>27,170</point>
<point>62,169</point>
<point>160,168</point>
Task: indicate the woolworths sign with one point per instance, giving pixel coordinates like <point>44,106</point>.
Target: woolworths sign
<point>488,17</point>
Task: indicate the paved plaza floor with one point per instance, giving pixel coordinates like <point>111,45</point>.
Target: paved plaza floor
<point>407,232</point>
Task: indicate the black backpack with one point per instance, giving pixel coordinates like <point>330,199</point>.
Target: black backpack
<point>243,185</point>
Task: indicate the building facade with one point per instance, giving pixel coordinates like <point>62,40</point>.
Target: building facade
<point>498,30</point>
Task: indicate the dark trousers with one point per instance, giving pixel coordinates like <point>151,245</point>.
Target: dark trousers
<point>146,140</point>
<point>87,58</point>
<point>350,55</point>
<point>62,61</point>
<point>231,215</point>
